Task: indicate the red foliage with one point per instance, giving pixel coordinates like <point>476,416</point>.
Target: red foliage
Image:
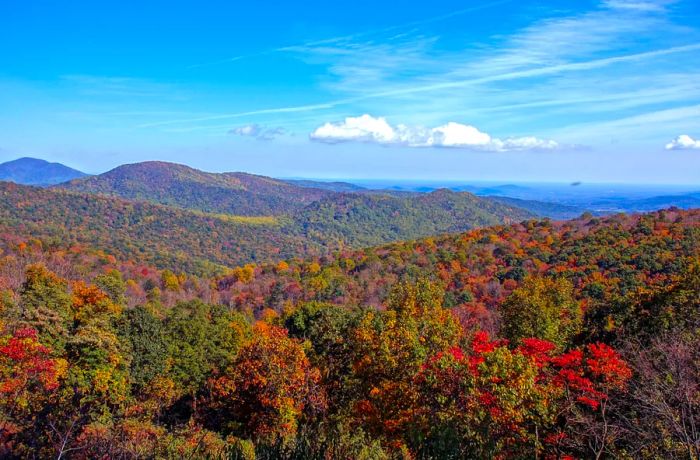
<point>24,362</point>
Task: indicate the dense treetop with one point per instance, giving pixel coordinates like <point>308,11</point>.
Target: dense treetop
<point>544,339</point>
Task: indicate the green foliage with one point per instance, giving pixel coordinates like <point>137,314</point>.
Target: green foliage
<point>201,338</point>
<point>45,306</point>
<point>112,283</point>
<point>205,222</point>
<point>143,333</point>
<point>542,308</point>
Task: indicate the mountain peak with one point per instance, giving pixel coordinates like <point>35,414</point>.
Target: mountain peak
<point>35,171</point>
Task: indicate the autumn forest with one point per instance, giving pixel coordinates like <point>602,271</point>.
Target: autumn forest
<point>154,331</point>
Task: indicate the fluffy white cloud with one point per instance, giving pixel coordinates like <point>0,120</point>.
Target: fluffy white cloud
<point>260,133</point>
<point>683,142</point>
<point>364,128</point>
<point>367,128</point>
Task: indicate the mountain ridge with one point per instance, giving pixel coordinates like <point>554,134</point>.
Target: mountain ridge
<point>35,171</point>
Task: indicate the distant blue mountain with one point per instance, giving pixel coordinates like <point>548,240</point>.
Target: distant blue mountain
<point>32,171</point>
<point>332,186</point>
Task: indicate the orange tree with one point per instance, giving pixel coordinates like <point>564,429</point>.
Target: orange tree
<point>267,389</point>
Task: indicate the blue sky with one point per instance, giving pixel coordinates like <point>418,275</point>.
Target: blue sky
<point>558,91</point>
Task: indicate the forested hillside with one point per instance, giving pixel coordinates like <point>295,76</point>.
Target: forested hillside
<point>538,339</point>
<point>361,220</point>
<point>206,243</point>
<point>164,236</point>
<point>250,195</point>
<point>185,187</point>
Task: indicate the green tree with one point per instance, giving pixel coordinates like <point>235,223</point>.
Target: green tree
<point>143,333</point>
<point>201,338</point>
<point>544,308</point>
<point>45,306</point>
<point>112,283</point>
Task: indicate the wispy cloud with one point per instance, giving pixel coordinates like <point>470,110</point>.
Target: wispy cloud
<point>258,132</point>
<point>635,128</point>
<point>640,5</point>
<point>111,86</point>
<point>426,88</point>
<point>355,36</point>
<point>585,68</point>
<point>367,128</point>
<point>293,109</point>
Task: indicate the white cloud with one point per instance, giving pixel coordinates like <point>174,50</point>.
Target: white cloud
<point>247,130</point>
<point>683,142</point>
<point>260,133</point>
<point>364,128</point>
<point>367,128</point>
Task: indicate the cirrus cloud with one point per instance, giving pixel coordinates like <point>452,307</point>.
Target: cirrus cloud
<point>683,142</point>
<point>258,132</point>
<point>378,130</point>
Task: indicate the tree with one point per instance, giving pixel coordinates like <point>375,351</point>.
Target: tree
<point>112,283</point>
<point>143,333</point>
<point>45,306</point>
<point>388,350</point>
<point>267,389</point>
<point>201,338</point>
<point>28,375</point>
<point>484,402</point>
<point>543,308</point>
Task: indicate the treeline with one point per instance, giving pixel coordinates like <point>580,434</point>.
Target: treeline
<point>534,340</point>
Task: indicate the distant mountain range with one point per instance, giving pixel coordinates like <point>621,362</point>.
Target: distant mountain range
<point>172,215</point>
<point>32,171</point>
<point>242,194</point>
<point>544,209</point>
<point>332,186</point>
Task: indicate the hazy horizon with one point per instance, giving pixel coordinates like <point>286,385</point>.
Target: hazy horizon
<point>595,91</point>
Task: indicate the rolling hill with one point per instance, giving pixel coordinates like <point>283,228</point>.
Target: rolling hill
<point>178,185</point>
<point>372,219</point>
<point>205,242</point>
<point>32,171</point>
<point>163,236</point>
<point>556,211</point>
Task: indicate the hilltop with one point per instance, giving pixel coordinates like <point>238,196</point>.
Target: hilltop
<point>33,171</point>
<point>179,185</point>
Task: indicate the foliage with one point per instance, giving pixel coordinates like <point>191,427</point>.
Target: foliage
<point>542,308</point>
<point>534,340</point>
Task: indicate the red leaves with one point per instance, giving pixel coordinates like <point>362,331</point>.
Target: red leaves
<point>537,349</point>
<point>24,362</point>
<point>482,343</point>
<point>456,353</point>
<point>590,375</point>
<point>498,388</point>
<point>604,362</point>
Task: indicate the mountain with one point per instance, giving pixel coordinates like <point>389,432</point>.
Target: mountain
<point>332,186</point>
<point>178,185</point>
<point>193,241</point>
<point>556,211</point>
<point>32,171</point>
<point>371,218</point>
<point>204,242</point>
